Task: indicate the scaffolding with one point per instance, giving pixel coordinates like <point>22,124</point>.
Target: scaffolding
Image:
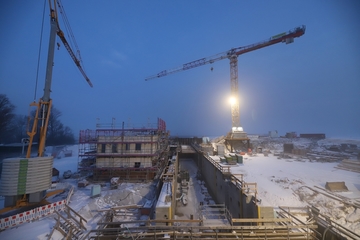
<point>129,153</point>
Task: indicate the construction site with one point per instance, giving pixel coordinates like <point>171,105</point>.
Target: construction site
<point>128,153</point>
<point>200,195</point>
<point>144,183</point>
<point>122,181</point>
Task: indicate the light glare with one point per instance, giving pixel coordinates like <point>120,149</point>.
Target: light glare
<point>232,100</point>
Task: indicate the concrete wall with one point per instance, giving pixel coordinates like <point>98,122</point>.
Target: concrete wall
<point>225,191</point>
<point>163,210</point>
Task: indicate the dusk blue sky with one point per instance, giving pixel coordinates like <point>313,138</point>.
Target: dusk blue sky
<point>310,86</point>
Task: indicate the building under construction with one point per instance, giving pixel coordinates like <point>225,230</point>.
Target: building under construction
<point>133,154</point>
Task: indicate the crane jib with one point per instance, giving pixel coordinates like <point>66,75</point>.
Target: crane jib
<point>195,63</point>
<point>162,73</point>
<point>285,37</point>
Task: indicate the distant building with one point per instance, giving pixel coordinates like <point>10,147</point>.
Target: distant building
<point>273,134</point>
<point>291,135</point>
<point>128,153</point>
<point>313,135</point>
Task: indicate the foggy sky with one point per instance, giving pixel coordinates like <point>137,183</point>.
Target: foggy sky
<point>310,86</point>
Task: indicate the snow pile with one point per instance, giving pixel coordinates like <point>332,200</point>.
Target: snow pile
<point>126,194</point>
<point>354,216</point>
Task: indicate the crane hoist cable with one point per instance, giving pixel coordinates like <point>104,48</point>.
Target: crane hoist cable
<point>70,34</point>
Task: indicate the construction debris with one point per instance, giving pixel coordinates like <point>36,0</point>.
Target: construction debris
<point>83,183</point>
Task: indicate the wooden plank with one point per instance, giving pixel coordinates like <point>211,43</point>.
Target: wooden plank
<point>152,221</point>
<point>73,211</point>
<point>261,220</point>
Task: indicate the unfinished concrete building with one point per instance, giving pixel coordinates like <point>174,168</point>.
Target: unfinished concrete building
<point>132,154</point>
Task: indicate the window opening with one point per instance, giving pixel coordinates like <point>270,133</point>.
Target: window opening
<point>114,148</point>
<point>103,147</point>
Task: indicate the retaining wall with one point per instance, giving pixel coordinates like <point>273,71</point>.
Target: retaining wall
<point>226,188</point>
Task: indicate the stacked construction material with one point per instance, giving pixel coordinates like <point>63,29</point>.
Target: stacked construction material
<point>26,175</point>
<point>349,165</point>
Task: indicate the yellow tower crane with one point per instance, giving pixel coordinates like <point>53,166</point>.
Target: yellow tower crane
<point>43,107</point>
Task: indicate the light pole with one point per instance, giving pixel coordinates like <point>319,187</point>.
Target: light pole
<point>24,141</point>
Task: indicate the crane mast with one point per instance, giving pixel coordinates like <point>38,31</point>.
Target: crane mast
<point>43,107</point>
<point>232,55</point>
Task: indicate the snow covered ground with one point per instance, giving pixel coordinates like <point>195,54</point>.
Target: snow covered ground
<point>288,181</point>
<point>278,179</point>
<point>280,182</point>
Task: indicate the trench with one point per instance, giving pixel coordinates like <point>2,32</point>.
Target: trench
<point>223,190</point>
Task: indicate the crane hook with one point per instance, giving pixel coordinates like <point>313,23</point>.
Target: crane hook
<point>58,45</point>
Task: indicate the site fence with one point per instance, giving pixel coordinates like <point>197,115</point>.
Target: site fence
<point>34,214</point>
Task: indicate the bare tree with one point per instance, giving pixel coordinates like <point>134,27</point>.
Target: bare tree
<point>6,116</point>
<point>13,127</point>
<point>17,129</point>
<point>57,132</point>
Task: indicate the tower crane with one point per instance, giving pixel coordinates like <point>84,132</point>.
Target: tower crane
<point>232,55</point>
<point>43,107</point>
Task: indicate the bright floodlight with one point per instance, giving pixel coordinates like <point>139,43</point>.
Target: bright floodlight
<point>237,129</point>
<point>232,100</point>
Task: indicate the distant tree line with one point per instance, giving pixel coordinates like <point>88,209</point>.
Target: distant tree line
<point>13,127</point>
